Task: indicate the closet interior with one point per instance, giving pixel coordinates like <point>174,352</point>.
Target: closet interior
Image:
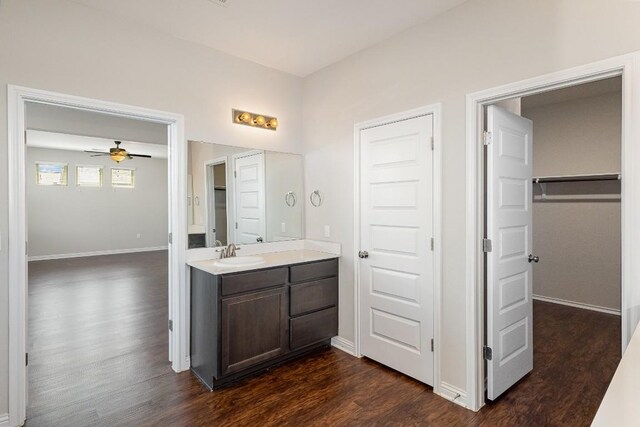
<point>576,194</point>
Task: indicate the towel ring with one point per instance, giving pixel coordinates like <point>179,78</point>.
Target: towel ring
<point>315,198</point>
<point>290,199</point>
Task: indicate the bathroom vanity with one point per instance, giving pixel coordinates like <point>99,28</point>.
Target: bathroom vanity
<point>245,319</point>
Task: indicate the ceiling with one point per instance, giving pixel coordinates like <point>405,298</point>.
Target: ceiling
<point>53,118</point>
<point>61,141</point>
<point>294,36</point>
<point>585,90</point>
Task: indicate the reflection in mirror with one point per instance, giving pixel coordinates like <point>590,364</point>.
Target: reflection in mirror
<point>239,195</point>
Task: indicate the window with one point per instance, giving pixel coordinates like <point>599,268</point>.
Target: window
<point>122,177</point>
<point>89,176</point>
<point>51,173</point>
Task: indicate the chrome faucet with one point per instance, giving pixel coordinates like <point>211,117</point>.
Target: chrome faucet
<point>231,250</point>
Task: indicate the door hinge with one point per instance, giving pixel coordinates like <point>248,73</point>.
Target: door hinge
<point>486,245</point>
<point>26,359</point>
<point>236,225</point>
<point>235,174</point>
<point>487,353</point>
<point>431,345</point>
<point>487,138</point>
<point>431,143</point>
<point>26,248</point>
<point>170,237</point>
<point>432,244</point>
<point>171,325</point>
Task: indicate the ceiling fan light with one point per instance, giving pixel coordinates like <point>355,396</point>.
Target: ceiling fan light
<point>118,157</point>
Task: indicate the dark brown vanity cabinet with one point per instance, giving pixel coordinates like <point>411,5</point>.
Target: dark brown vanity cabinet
<point>246,322</point>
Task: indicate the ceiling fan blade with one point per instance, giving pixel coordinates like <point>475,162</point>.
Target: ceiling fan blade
<point>99,155</point>
<point>97,152</point>
<point>140,155</point>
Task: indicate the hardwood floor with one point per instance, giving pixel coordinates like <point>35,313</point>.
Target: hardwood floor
<point>98,356</point>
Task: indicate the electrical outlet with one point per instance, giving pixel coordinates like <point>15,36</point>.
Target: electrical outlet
<point>283,227</point>
<point>139,235</point>
<point>327,231</point>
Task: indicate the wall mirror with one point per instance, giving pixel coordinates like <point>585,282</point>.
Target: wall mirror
<point>241,195</point>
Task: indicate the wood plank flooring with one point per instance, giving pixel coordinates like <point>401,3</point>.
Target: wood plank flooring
<point>98,357</point>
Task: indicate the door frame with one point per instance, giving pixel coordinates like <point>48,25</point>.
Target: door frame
<point>210,180</point>
<point>17,98</point>
<point>626,66</point>
<point>435,111</point>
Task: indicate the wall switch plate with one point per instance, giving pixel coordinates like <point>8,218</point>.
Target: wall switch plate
<point>283,227</point>
<point>327,231</point>
<point>139,235</point>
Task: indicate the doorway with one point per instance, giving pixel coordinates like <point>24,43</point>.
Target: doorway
<point>217,199</point>
<point>398,242</point>
<point>18,97</point>
<point>476,269</point>
<point>553,235</point>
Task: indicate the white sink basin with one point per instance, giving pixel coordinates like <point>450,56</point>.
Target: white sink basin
<point>240,261</point>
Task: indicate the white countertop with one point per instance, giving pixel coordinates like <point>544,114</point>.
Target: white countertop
<point>621,404</point>
<point>271,259</point>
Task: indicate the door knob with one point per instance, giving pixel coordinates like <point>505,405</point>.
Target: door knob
<point>363,254</point>
<point>259,240</point>
<point>533,258</point>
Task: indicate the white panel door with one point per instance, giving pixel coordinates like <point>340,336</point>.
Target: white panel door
<point>509,223</point>
<point>249,197</point>
<point>396,280</point>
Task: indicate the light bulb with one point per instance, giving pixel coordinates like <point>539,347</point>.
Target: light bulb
<point>244,117</point>
<point>259,121</point>
<point>273,123</point>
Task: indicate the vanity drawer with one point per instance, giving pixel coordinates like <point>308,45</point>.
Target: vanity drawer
<point>311,296</point>
<point>313,328</point>
<point>314,270</point>
<point>244,282</point>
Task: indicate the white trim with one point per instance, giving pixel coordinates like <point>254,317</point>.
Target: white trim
<point>177,164</point>
<point>453,394</point>
<point>575,304</point>
<point>96,253</point>
<point>343,344</point>
<point>435,111</point>
<point>4,420</point>
<point>628,67</point>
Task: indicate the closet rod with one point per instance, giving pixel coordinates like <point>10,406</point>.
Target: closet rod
<point>575,178</point>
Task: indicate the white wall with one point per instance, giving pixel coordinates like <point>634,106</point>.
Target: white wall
<point>578,242</point>
<point>75,220</point>
<point>66,47</point>
<point>478,45</point>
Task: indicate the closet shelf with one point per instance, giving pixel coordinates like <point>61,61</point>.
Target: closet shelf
<point>575,178</point>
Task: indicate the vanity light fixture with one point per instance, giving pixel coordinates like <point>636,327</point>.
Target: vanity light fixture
<point>255,120</point>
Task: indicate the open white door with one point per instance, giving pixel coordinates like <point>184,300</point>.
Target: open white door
<point>249,196</point>
<point>509,351</point>
<point>396,260</point>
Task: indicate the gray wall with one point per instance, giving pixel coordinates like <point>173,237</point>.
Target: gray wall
<point>578,242</point>
<point>478,45</point>
<point>74,220</point>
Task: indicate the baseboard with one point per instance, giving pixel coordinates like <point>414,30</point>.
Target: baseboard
<point>344,345</point>
<point>4,420</point>
<point>96,253</point>
<point>453,394</point>
<point>577,304</point>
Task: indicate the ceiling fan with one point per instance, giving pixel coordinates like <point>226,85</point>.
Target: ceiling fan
<point>117,154</point>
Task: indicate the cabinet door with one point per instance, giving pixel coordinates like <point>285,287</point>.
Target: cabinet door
<point>254,328</point>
